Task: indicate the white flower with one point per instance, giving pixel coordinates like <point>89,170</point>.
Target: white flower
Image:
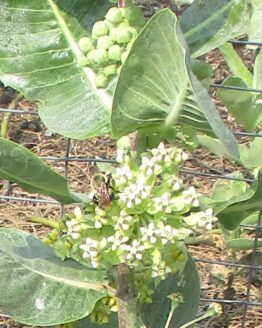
<point>75,227</point>
<point>150,167</point>
<point>118,241</point>
<point>78,213</point>
<point>134,251</point>
<point>168,233</point>
<point>162,204</point>
<point>122,157</point>
<point>90,251</point>
<point>190,196</point>
<point>168,155</point>
<point>149,234</point>
<point>123,221</point>
<point>133,194</point>
<point>123,175</point>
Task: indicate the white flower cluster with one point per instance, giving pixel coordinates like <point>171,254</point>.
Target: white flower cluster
<point>201,221</point>
<point>149,217</point>
<point>76,226</point>
<point>135,193</point>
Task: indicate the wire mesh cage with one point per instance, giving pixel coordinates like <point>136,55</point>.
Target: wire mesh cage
<point>76,160</point>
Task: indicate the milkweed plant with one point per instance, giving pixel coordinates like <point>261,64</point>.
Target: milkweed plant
<point>140,215</point>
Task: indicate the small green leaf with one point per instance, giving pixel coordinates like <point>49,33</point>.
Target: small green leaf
<point>235,63</point>
<point>20,165</point>
<point>234,214</point>
<point>37,288</point>
<point>241,244</point>
<point>241,104</point>
<point>227,192</point>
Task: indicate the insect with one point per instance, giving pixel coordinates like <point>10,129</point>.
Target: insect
<point>103,193</point>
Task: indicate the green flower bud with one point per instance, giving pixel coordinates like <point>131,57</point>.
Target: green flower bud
<point>114,53</point>
<point>110,70</point>
<point>104,42</point>
<point>133,31</point>
<point>101,81</point>
<point>113,33</point>
<point>98,56</point>
<point>85,44</point>
<point>100,28</point>
<point>114,15</point>
<point>124,56</point>
<point>124,24</point>
<point>123,35</point>
<point>91,57</point>
<point>82,60</point>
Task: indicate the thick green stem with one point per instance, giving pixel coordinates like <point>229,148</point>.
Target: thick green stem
<point>126,297</point>
<point>46,222</point>
<point>7,116</point>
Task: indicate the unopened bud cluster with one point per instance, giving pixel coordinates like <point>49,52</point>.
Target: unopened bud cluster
<point>107,48</point>
<point>148,218</point>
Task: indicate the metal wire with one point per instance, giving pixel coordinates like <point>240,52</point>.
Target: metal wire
<point>251,267</point>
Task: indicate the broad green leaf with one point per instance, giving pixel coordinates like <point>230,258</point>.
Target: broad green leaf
<point>241,244</point>
<point>149,91</point>
<point>156,86</point>
<point>20,165</point>
<point>235,63</point>
<point>37,288</point>
<point>214,146</point>
<point>251,219</point>
<point>250,155</point>
<point>227,192</point>
<point>255,26</point>
<point>241,104</point>
<point>207,24</point>
<point>155,315</point>
<point>39,57</point>
<point>234,214</point>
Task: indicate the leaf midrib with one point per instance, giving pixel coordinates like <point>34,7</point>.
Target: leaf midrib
<point>89,75</point>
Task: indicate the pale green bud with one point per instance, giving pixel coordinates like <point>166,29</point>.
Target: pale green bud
<point>110,70</point>
<point>123,35</point>
<point>124,24</point>
<point>91,57</point>
<point>82,60</point>
<point>113,33</point>
<point>114,53</point>
<point>101,81</point>
<point>114,15</point>
<point>104,42</point>
<point>100,28</point>
<point>85,44</point>
<point>100,56</point>
<point>124,56</point>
